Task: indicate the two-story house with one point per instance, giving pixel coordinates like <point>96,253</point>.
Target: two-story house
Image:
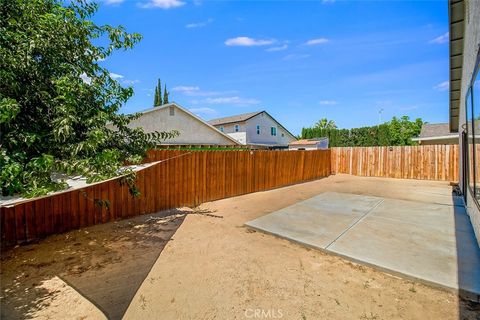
<point>255,128</point>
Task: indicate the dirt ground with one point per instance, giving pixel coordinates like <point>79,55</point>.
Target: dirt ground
<point>205,264</point>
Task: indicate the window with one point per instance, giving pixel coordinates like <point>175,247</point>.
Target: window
<point>172,111</point>
<point>273,131</point>
<point>237,128</point>
<point>221,129</point>
<point>258,129</point>
<point>475,101</point>
<point>470,156</point>
<point>472,109</point>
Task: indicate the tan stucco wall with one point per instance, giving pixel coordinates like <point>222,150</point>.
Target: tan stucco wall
<point>192,131</point>
<point>266,122</point>
<point>470,52</point>
<point>250,128</point>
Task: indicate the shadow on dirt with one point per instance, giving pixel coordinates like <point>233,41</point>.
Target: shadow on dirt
<point>105,263</point>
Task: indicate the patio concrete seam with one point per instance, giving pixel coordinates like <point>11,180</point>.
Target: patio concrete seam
<point>355,223</point>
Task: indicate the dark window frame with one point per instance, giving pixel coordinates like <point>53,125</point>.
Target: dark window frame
<point>471,96</point>
<point>273,131</point>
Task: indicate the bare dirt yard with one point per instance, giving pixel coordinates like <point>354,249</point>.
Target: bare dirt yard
<point>204,264</point>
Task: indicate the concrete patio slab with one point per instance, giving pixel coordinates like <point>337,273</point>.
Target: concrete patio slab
<point>430,242</point>
<point>322,220</point>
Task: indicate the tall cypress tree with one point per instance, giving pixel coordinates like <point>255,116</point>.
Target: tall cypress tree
<point>155,99</point>
<point>159,93</point>
<point>165,95</point>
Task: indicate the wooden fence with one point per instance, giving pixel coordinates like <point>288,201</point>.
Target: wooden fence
<point>181,179</point>
<point>435,162</point>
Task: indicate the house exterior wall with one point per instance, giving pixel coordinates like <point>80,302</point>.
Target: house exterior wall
<point>248,131</point>
<point>265,137</point>
<point>230,127</point>
<point>239,136</point>
<point>192,130</point>
<point>470,52</point>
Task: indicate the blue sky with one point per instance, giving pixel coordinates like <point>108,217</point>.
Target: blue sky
<point>298,60</point>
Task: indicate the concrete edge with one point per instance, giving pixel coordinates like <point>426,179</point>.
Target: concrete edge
<point>463,293</point>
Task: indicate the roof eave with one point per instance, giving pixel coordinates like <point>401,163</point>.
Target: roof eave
<point>456,14</point>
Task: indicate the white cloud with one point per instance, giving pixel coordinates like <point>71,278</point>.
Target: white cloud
<point>186,89</point>
<point>443,86</point>
<point>194,91</point>
<point>85,78</point>
<point>130,82</point>
<point>248,42</point>
<point>279,48</point>
<point>199,111</point>
<point>199,24</point>
<point>294,56</point>
<point>440,39</point>
<point>328,102</point>
<point>113,1</point>
<point>231,100</point>
<point>162,4</point>
<point>115,76</point>
<point>313,42</point>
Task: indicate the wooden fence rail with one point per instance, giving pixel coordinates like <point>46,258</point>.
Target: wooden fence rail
<point>435,162</point>
<point>181,179</point>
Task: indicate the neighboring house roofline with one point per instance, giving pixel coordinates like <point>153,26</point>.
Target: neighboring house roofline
<point>454,136</point>
<point>307,141</point>
<point>435,130</point>
<point>229,120</point>
<point>233,119</point>
<point>174,104</point>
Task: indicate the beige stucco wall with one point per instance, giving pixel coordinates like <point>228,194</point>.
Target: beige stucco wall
<point>470,53</point>
<point>265,137</point>
<point>192,130</point>
<point>266,122</point>
<point>239,136</point>
<point>230,127</point>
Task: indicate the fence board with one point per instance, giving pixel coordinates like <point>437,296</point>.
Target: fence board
<point>436,162</point>
<point>188,179</point>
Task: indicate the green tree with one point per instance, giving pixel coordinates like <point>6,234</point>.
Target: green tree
<point>158,94</point>
<point>165,95</point>
<point>57,104</point>
<point>397,132</point>
<point>324,123</point>
<point>155,98</point>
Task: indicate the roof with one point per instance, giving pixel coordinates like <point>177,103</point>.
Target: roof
<point>436,130</point>
<point>456,14</point>
<point>244,117</point>
<point>306,142</point>
<point>174,104</point>
<point>236,118</point>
